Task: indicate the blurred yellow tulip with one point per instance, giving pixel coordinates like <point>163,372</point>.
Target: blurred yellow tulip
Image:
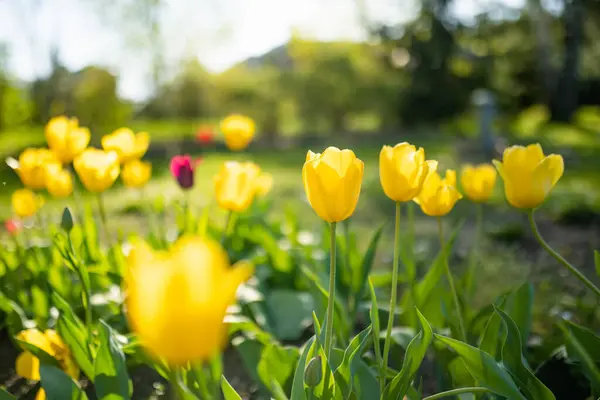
<point>264,184</point>
<point>528,175</point>
<point>236,185</point>
<point>34,165</point>
<point>59,184</point>
<point>136,173</point>
<point>332,182</point>
<point>25,202</point>
<point>127,144</point>
<point>97,169</point>
<point>177,299</point>
<point>238,131</point>
<point>478,181</point>
<point>402,171</point>
<point>28,366</point>
<point>66,138</point>
<point>438,196</point>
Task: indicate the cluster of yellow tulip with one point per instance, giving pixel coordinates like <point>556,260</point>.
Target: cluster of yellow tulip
<point>332,182</point>
<point>47,168</point>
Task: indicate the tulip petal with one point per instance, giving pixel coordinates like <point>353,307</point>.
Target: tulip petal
<point>28,366</point>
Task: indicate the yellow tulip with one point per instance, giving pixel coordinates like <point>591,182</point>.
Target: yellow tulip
<point>25,203</point>
<point>59,184</point>
<point>332,182</point>
<point>238,131</point>
<point>236,185</point>
<point>33,166</point>
<point>136,173</point>
<point>28,366</point>
<point>177,299</point>
<point>66,138</point>
<point>528,175</point>
<point>264,184</point>
<point>97,169</point>
<point>438,196</point>
<point>402,171</point>
<point>127,144</point>
<point>478,181</point>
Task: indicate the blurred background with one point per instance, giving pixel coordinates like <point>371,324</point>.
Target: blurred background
<point>463,78</point>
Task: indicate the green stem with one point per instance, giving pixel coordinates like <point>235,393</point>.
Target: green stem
<point>392,309</point>
<point>475,249</point>
<point>559,258</point>
<point>461,326</point>
<point>331,300</point>
<point>174,380</point>
<point>454,392</point>
<point>200,373</point>
<point>103,220</point>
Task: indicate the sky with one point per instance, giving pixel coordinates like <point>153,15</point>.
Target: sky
<point>218,33</point>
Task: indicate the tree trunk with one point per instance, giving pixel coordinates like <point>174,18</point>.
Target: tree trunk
<point>566,95</point>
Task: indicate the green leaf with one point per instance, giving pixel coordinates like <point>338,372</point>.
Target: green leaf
<point>228,392</point>
<point>58,385</point>
<point>512,358</point>
<point>238,323</point>
<point>597,261</point>
<point>298,392</point>
<point>490,338</point>
<point>584,346</point>
<point>74,334</point>
<point>290,311</point>
<point>428,295</point>
<point>4,395</point>
<point>111,378</point>
<point>484,368</point>
<point>519,306</point>
<point>276,365</point>
<point>374,314</point>
<point>344,373</point>
<point>361,275</point>
<point>365,382</point>
<point>415,353</point>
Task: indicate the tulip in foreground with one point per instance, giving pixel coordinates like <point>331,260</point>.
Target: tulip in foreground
<point>60,183</point>
<point>438,196</point>
<point>332,182</point>
<point>126,144</point>
<point>66,138</point>
<point>25,203</point>
<point>478,181</point>
<point>236,185</point>
<point>182,169</point>
<point>238,131</point>
<point>136,173</point>
<point>177,299</point>
<point>28,366</point>
<point>33,166</point>
<point>402,171</point>
<point>528,175</point>
<point>97,169</point>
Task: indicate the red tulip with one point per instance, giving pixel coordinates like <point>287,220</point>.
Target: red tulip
<point>182,168</point>
<point>205,135</point>
<point>13,226</point>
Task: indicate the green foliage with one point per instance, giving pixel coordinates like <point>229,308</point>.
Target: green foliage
<point>58,385</point>
<point>110,371</point>
<point>228,392</point>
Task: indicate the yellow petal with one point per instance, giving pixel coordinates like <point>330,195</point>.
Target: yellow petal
<point>28,366</point>
<point>41,394</point>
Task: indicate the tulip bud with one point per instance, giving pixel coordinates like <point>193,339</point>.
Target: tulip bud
<point>182,168</point>
<point>66,221</point>
<point>313,372</point>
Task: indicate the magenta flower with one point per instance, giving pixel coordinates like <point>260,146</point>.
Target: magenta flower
<point>182,168</point>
